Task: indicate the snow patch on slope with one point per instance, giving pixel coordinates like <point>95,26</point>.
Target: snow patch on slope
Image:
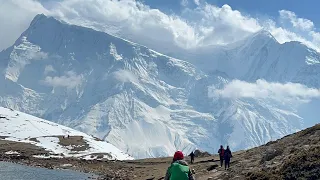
<point>114,53</point>
<point>21,127</point>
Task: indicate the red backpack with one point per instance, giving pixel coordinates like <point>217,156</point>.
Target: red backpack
<point>221,152</point>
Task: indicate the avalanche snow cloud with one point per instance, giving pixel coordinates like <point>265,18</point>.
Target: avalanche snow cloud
<point>195,28</point>
<point>69,80</point>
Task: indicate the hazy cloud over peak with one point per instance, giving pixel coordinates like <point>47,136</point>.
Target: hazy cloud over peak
<point>204,25</point>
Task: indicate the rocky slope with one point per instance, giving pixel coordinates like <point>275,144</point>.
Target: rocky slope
<point>295,156</point>
<point>145,103</point>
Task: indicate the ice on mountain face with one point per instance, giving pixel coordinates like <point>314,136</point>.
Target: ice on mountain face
<point>113,51</point>
<point>113,94</point>
<point>145,103</point>
<point>312,61</point>
<point>21,56</point>
<point>243,122</point>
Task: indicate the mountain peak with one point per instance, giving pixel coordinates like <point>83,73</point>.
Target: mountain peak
<point>256,40</point>
<point>41,18</point>
<point>263,35</point>
<point>64,38</point>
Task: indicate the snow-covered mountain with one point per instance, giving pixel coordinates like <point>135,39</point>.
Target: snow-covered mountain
<point>21,127</point>
<point>260,56</point>
<point>145,103</point>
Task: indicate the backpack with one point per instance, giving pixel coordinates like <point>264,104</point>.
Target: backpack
<point>221,152</point>
<point>178,171</point>
<point>228,154</point>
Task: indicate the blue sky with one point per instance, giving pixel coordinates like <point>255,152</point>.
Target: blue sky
<point>307,9</point>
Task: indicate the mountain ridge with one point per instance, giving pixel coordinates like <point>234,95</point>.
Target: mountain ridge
<point>254,58</point>
<point>145,103</point>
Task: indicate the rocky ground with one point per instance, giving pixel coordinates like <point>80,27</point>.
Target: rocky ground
<point>296,156</point>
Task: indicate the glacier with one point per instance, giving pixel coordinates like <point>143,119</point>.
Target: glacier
<point>146,103</point>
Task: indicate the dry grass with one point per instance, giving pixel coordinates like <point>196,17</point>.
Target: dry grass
<point>34,140</point>
<point>304,164</point>
<point>3,137</point>
<point>23,148</point>
<point>76,142</point>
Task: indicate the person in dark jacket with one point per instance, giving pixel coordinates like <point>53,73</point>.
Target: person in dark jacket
<point>192,157</point>
<point>179,169</point>
<point>227,158</point>
<point>221,155</point>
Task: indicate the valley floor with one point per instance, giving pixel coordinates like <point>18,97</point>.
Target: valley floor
<point>296,156</point>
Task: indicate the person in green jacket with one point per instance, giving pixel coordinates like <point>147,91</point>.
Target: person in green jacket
<point>179,169</point>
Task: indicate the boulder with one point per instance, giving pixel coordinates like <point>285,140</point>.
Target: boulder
<point>199,153</point>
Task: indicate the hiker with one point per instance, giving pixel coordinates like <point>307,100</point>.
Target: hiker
<point>221,155</point>
<point>192,157</point>
<point>179,169</point>
<point>227,157</point>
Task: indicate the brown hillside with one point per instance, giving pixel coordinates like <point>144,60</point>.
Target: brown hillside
<point>295,156</point>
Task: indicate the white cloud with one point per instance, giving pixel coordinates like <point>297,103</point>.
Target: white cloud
<point>302,30</point>
<point>223,25</point>
<point>284,35</point>
<point>48,69</point>
<point>300,23</point>
<point>15,16</point>
<point>205,25</point>
<point>37,55</point>
<point>125,76</point>
<point>266,90</point>
<point>139,23</point>
<point>70,80</point>
<point>129,19</point>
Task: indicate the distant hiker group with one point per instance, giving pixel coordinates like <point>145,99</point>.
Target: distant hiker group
<point>225,155</point>
<point>180,170</point>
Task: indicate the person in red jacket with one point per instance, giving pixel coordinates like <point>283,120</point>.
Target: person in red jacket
<point>221,155</point>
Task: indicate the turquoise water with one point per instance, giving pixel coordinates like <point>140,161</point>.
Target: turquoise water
<point>10,171</point>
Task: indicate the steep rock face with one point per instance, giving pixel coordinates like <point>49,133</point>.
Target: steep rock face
<point>145,103</point>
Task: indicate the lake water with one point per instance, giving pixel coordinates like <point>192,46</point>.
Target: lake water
<point>10,171</point>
